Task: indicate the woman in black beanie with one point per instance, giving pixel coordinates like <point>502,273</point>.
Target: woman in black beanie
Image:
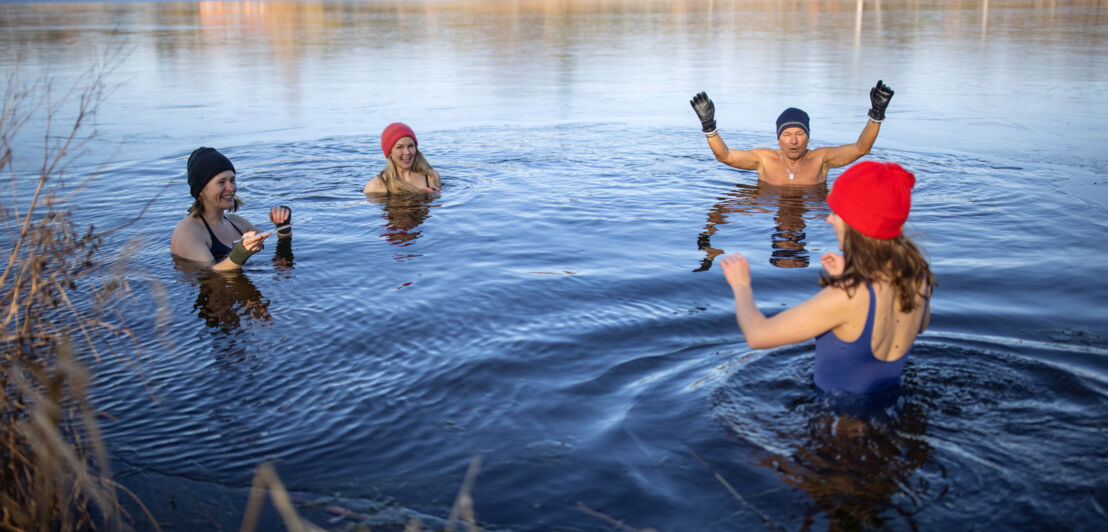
<point>209,235</point>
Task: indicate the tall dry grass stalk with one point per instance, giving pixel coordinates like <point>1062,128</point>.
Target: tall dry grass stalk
<point>55,310</point>
<point>266,482</point>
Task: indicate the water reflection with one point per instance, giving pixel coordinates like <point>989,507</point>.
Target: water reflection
<point>792,203</point>
<point>856,467</point>
<point>403,214</point>
<point>224,300</point>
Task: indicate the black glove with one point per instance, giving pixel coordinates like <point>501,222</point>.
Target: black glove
<point>879,97</point>
<point>705,110</point>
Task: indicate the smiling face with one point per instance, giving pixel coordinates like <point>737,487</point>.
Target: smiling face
<point>403,153</point>
<point>793,142</point>
<point>219,193</point>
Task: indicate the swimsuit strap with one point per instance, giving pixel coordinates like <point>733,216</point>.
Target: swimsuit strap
<point>427,180</point>
<point>208,227</point>
<point>926,305</point>
<point>867,331</point>
<point>212,233</point>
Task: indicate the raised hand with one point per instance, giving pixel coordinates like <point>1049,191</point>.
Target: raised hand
<point>281,216</point>
<point>251,243</point>
<point>705,110</point>
<point>833,263</point>
<point>736,269</point>
<point>879,97</point>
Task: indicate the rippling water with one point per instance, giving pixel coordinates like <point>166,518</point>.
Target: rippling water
<point>556,310</point>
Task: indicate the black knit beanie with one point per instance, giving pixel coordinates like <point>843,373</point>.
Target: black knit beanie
<point>792,117</point>
<point>204,164</point>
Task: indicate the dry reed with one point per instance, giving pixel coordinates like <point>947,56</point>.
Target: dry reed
<point>55,309</point>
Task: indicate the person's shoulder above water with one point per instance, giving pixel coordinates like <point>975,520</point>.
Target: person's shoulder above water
<point>406,169</point>
<point>210,235</point>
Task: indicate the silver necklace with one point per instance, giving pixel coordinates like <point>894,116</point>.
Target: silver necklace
<point>792,173</point>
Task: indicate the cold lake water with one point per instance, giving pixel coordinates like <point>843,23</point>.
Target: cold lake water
<point>558,311</point>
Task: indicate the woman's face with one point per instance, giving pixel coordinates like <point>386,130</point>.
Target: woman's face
<point>839,225</point>
<point>403,153</point>
<point>220,191</point>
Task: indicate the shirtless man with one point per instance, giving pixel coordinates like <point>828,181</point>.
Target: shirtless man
<point>793,162</point>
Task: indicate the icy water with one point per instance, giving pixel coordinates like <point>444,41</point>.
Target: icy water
<point>557,310</point>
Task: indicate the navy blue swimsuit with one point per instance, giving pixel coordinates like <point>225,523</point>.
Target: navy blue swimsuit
<point>852,366</point>
<point>219,249</point>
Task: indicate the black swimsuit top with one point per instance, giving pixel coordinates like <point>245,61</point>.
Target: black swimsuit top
<point>426,181</point>
<point>219,249</point>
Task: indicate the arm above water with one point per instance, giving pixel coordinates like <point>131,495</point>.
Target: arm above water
<point>741,159</point>
<point>281,216</point>
<point>879,97</point>
<point>706,111</point>
<point>823,312</point>
<point>836,156</point>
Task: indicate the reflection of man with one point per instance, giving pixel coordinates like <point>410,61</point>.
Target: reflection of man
<point>793,162</point>
<point>787,239</point>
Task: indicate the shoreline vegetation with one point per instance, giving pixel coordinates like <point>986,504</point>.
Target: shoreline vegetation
<point>58,290</point>
<point>58,294</point>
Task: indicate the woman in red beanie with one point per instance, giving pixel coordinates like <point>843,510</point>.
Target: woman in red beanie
<point>406,170</point>
<point>863,337</point>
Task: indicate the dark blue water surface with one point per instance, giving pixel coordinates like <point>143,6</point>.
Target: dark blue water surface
<point>557,310</point>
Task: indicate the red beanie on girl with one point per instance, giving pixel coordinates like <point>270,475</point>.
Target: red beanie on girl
<point>394,132</point>
<point>873,198</point>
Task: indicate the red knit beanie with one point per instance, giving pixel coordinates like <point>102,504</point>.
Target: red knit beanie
<point>394,132</point>
<point>873,198</point>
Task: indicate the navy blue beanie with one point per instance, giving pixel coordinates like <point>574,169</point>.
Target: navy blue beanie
<point>792,117</point>
<point>204,164</point>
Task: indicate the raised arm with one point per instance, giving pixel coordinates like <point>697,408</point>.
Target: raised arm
<point>281,216</point>
<point>837,156</point>
<point>823,312</point>
<point>706,112</point>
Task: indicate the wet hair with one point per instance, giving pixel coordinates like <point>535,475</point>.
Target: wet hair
<point>198,206</point>
<point>895,260</point>
<point>390,176</point>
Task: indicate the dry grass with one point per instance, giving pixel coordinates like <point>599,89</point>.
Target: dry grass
<point>266,482</point>
<point>55,307</point>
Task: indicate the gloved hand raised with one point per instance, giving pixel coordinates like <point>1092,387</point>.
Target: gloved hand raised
<point>879,97</point>
<point>705,110</point>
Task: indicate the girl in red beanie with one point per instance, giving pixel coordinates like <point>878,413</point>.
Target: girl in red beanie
<point>863,337</point>
<point>406,170</point>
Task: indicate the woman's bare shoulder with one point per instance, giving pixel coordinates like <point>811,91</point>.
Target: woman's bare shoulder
<point>375,186</point>
<point>187,235</point>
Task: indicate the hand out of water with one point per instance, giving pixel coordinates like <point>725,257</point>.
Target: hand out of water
<point>737,270</point>
<point>280,214</point>
<point>253,241</point>
<point>833,262</point>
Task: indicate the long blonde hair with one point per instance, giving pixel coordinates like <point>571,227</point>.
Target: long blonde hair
<point>895,260</point>
<point>390,176</point>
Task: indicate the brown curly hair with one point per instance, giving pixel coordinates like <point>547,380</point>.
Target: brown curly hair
<point>895,260</point>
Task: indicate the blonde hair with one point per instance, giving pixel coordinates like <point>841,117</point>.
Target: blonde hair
<point>390,176</point>
<point>895,260</point>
